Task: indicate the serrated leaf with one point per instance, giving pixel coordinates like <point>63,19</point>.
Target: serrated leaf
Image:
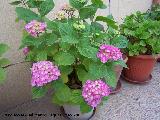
<point>121,62</point>
<point>85,108</point>
<point>2,75</point>
<point>55,100</point>
<point>77,4</point>
<point>64,77</point>
<point>76,97</point>
<point>64,58</point>
<point>67,33</point>
<point>15,2</point>
<point>45,7</point>
<point>108,21</point>
<point>63,93</point>
<point>82,74</point>
<point>41,56</point>
<point>26,14</point>
<point>97,70</point>
<point>4,62</point>
<point>66,69</point>
<point>88,51</point>
<point>111,78</point>
<point>91,10</point>
<point>119,41</point>
<point>99,4</point>
<point>38,92</point>
<point>3,48</point>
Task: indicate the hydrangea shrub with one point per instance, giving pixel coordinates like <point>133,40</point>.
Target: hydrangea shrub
<point>67,52</point>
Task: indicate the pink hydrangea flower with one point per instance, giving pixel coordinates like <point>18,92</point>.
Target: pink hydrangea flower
<point>35,28</point>
<point>94,91</point>
<point>109,52</point>
<point>44,72</point>
<point>26,50</point>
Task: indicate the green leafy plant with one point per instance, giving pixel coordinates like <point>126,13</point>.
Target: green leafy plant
<point>143,34</point>
<point>3,62</point>
<point>71,41</point>
<point>154,12</point>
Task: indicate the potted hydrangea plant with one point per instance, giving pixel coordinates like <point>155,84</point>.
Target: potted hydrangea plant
<point>143,48</point>
<point>3,62</point>
<point>72,54</point>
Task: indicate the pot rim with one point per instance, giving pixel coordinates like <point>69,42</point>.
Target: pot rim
<point>145,56</point>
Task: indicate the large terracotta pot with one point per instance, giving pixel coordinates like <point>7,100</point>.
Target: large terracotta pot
<point>118,70</point>
<point>139,68</point>
<point>72,112</point>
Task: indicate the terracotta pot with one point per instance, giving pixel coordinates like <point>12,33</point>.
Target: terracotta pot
<point>72,112</point>
<point>140,68</point>
<point>156,1</point>
<point>118,71</point>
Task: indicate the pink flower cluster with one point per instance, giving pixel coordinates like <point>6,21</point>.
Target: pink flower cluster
<point>26,50</point>
<point>35,28</point>
<point>44,72</point>
<point>94,91</point>
<point>109,52</point>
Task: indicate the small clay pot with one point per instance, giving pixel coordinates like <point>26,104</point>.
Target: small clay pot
<point>72,112</point>
<point>118,70</point>
<point>139,68</point>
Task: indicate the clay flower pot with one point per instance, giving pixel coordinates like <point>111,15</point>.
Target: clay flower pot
<point>72,112</point>
<point>139,68</point>
<point>118,70</point>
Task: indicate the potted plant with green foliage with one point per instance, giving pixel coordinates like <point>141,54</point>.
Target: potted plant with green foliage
<point>73,54</point>
<point>154,14</point>
<point>3,62</point>
<point>143,47</point>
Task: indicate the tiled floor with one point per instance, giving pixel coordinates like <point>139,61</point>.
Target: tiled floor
<point>134,102</point>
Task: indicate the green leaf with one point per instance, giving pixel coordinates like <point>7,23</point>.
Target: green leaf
<point>121,62</point>
<point>83,75</point>
<point>42,55</point>
<point>91,10</point>
<point>77,3</point>
<point>45,7</point>
<point>108,21</point>
<point>111,77</point>
<point>55,100</point>
<point>119,41</point>
<point>3,48</point>
<point>87,51</point>
<point>66,69</point>
<point>15,2</point>
<point>67,33</point>
<point>2,75</point>
<point>64,77</point>
<point>26,14</point>
<point>64,58</point>
<point>34,3</point>
<point>62,92</point>
<point>99,4</point>
<point>76,97</point>
<point>85,108</point>
<point>65,46</point>
<point>97,70</point>
<point>4,62</point>
<point>38,92</point>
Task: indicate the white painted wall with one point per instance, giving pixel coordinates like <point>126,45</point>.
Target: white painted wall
<point>16,90</point>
